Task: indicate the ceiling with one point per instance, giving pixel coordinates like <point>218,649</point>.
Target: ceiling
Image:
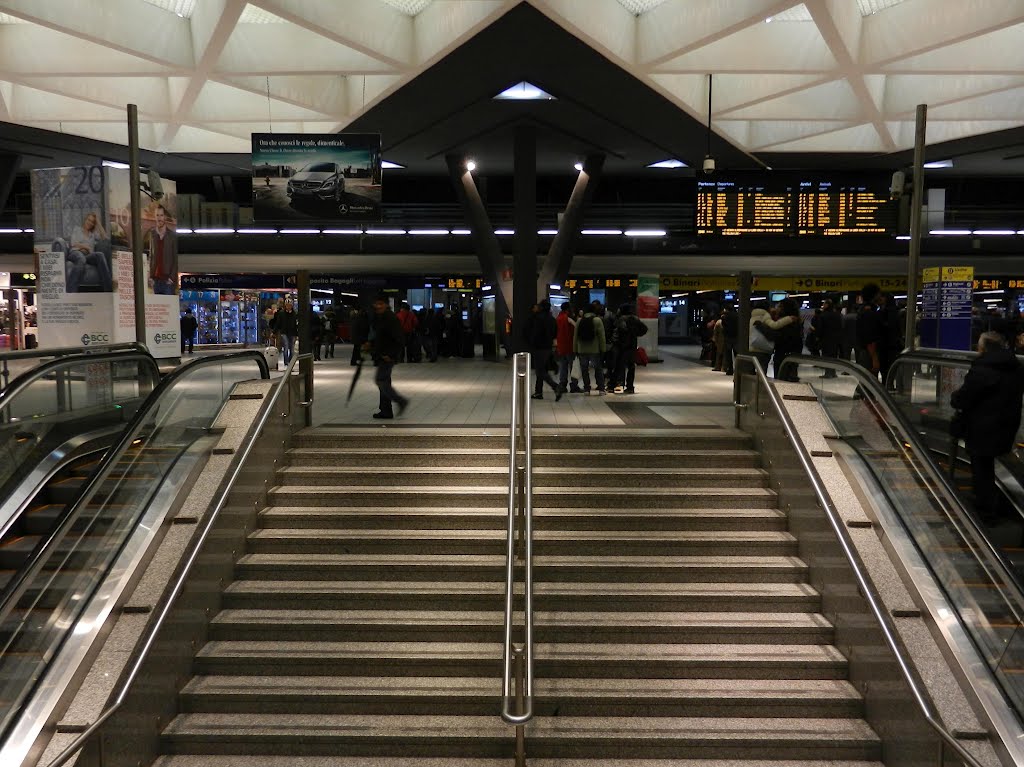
<point>792,82</point>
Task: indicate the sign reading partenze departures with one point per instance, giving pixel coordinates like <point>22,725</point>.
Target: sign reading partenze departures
<point>314,177</point>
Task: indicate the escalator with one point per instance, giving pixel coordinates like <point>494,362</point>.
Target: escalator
<point>894,449</point>
<point>69,549</point>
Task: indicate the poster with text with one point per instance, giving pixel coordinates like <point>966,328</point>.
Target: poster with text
<point>69,215</point>
<point>159,227</point>
<point>648,307</point>
<point>75,319</point>
<point>162,313</point>
<point>309,177</point>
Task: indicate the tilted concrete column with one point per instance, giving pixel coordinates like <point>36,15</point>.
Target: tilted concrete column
<point>559,258</point>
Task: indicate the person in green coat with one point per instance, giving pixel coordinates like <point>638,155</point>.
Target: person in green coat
<point>590,345</point>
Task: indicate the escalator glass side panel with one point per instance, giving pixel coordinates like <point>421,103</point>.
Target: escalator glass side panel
<point>984,595</point>
<point>90,534</point>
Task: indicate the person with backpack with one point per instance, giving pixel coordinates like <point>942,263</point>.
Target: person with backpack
<point>539,333</point>
<point>628,328</point>
<point>590,346</point>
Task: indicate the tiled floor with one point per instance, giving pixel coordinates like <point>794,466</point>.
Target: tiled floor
<point>458,392</point>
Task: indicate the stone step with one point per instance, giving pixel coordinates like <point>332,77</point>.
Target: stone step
<point>488,736</point>
<point>710,438</point>
<point>414,518</point>
<point>587,457</point>
<point>543,477</point>
<point>551,627</point>
<point>438,659</point>
<point>546,542</point>
<point>251,760</point>
<point>481,696</point>
<point>476,595</point>
<point>562,569</point>
<point>497,496</point>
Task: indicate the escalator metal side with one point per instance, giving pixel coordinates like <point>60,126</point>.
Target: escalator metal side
<point>908,705</point>
<point>56,689</point>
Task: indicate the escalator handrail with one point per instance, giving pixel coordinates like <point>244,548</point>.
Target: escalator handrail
<point>909,437</point>
<point>947,357</point>
<point>29,377</point>
<point>146,642</point>
<point>16,587</point>
<point>885,622</point>
<point>66,351</point>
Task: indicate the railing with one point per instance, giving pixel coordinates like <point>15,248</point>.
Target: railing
<point>517,674</point>
<point>30,354</point>
<point>149,638</point>
<point>866,588</point>
<point>90,532</point>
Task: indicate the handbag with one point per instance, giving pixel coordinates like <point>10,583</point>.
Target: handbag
<point>640,356</point>
<point>759,341</point>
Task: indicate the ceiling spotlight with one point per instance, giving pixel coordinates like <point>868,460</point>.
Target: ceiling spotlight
<point>471,165</point>
<point>578,166</point>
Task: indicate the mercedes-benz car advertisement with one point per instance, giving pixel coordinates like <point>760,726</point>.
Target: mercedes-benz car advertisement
<point>316,177</point>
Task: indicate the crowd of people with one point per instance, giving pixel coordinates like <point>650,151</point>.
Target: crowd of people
<point>580,340</point>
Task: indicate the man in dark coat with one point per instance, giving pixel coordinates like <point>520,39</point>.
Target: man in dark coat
<point>990,399</point>
<point>539,333</point>
<point>387,346</point>
<point>188,330</point>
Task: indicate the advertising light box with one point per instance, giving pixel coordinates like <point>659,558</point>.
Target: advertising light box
<point>309,177</point>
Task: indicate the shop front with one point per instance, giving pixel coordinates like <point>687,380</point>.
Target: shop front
<point>234,309</point>
<point>18,318</point>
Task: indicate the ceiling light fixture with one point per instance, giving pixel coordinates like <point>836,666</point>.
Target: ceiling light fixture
<point>645,233</point>
<point>388,165</point>
<point>471,165</point>
<point>116,164</point>
<point>709,162</point>
<point>578,166</point>
<point>670,163</point>
<point>524,91</point>
<point>938,164</point>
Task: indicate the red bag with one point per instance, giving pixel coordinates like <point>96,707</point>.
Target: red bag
<point>640,356</point>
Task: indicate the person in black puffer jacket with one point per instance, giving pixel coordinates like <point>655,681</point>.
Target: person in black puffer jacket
<point>790,340</point>
<point>990,399</point>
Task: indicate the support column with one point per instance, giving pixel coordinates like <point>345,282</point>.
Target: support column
<point>135,200</point>
<point>525,289</point>
<point>743,331</point>
<point>488,249</point>
<point>559,258</point>
<point>304,310</point>
<point>916,202</point>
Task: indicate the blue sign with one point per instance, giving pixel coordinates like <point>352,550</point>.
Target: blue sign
<point>947,301</point>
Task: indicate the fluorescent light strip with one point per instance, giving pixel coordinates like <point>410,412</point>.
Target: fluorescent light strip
<point>115,164</point>
<point>10,231</point>
<point>602,232</point>
<point>988,292</point>
<point>460,232</point>
<point>183,231</point>
<point>938,164</point>
<point>342,231</point>
<point>950,232</point>
<point>555,287</point>
<point>547,232</point>
<point>434,232</point>
<point>990,300</point>
<point>385,231</point>
<point>903,237</point>
<point>994,231</point>
<point>760,298</point>
<point>213,231</point>
<point>504,231</point>
<point>645,232</point>
<point>300,231</point>
<point>486,288</point>
<point>257,231</point>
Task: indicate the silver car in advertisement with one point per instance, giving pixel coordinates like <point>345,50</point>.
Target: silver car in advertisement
<point>320,180</point>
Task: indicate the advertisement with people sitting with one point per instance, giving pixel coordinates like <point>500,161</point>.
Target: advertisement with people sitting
<point>316,177</point>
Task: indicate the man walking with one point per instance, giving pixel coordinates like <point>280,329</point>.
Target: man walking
<point>386,347</point>
<point>539,333</point>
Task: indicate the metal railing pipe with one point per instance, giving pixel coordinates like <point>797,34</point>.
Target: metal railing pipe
<point>885,623</point>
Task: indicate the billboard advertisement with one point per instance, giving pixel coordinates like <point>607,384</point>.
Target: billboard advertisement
<point>159,224</point>
<point>310,177</point>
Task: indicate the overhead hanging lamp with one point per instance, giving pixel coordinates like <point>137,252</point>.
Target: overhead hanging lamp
<point>709,162</point>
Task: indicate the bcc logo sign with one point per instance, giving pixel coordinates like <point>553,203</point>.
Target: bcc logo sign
<point>95,338</point>
<point>165,338</point>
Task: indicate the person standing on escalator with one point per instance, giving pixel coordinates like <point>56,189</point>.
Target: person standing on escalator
<point>990,400</point>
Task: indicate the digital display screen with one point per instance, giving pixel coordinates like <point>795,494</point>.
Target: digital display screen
<point>793,204</point>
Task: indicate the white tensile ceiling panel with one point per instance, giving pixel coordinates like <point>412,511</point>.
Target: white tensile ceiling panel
<point>823,75</point>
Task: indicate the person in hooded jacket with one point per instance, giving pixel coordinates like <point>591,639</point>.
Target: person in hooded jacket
<point>990,400</point>
<point>627,329</point>
<point>763,332</point>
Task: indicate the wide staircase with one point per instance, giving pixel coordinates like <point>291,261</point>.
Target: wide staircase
<point>673,617</point>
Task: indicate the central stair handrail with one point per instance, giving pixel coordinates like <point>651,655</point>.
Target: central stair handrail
<point>517,677</point>
<point>885,622</point>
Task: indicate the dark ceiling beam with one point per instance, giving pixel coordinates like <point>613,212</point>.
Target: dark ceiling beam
<point>558,261</point>
<point>488,249</point>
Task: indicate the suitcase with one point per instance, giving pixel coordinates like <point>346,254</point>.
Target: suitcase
<point>272,355</point>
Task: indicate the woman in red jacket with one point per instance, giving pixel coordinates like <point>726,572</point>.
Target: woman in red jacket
<point>563,347</point>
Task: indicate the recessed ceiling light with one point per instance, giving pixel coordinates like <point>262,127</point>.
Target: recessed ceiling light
<point>470,165</point>
<point>578,166</point>
<point>524,91</point>
<point>671,163</point>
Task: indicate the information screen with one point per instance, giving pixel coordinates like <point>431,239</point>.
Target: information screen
<point>744,206</point>
<point>795,205</point>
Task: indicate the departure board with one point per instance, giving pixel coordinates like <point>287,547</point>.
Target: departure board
<point>794,204</point>
<point>828,208</point>
<point>744,206</point>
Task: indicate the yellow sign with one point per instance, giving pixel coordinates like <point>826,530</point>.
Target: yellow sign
<point>957,273</point>
<point>930,275</point>
<point>683,283</point>
<point>989,284</point>
<point>1016,284</point>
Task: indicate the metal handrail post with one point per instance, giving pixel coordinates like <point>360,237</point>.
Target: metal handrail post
<point>885,623</point>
